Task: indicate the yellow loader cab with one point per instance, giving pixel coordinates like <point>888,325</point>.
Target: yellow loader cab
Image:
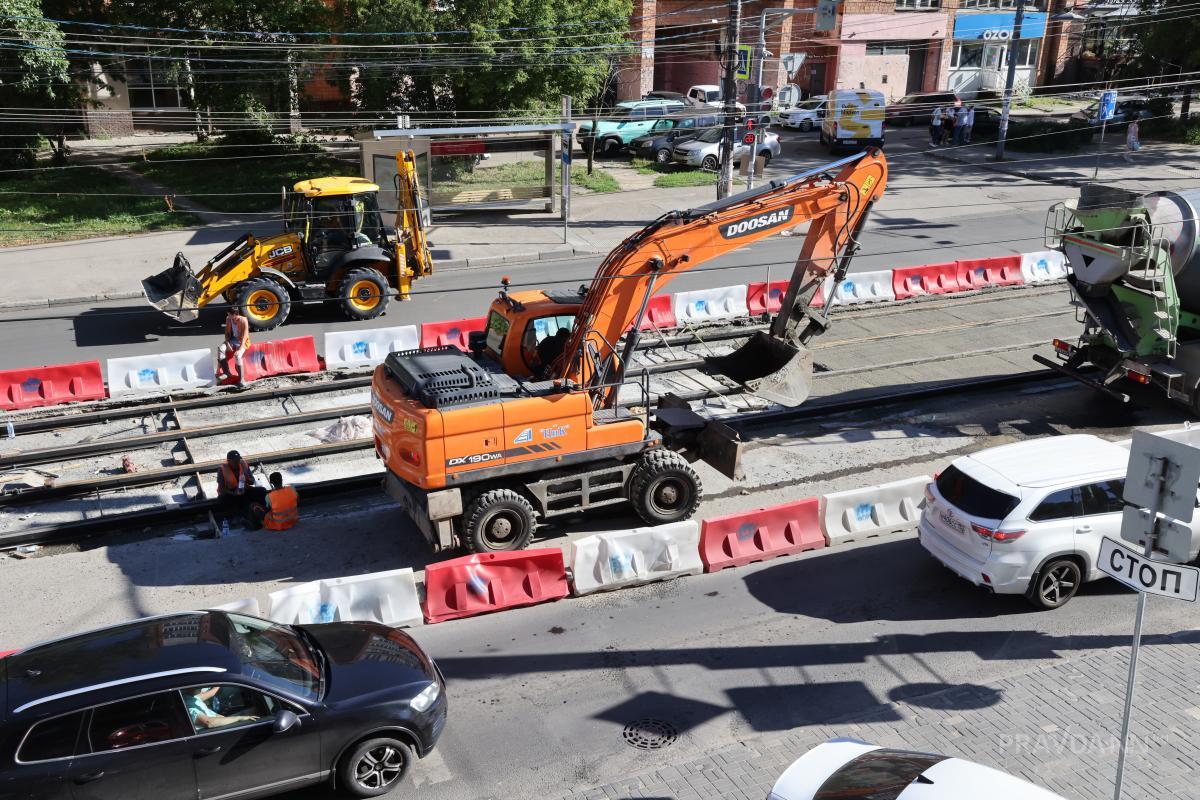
<point>334,248</point>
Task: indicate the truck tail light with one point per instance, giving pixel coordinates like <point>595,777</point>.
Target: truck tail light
<point>995,535</point>
<point>1063,347</point>
<point>1137,377</point>
<point>411,456</point>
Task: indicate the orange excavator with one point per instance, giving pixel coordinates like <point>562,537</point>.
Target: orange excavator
<point>479,447</point>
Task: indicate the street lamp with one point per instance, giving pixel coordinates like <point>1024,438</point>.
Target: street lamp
<point>762,57</point>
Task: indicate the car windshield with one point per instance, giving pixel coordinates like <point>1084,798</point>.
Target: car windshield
<point>877,775</point>
<point>972,497</point>
<point>276,654</point>
<point>710,136</point>
<point>714,95</point>
<point>810,105</point>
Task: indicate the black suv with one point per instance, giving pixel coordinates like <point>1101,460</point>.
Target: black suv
<point>212,704</point>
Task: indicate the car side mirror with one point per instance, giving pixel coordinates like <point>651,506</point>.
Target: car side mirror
<point>285,720</point>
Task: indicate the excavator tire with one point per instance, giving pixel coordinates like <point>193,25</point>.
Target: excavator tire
<point>363,293</point>
<point>264,302</point>
<point>498,520</point>
<point>664,488</point>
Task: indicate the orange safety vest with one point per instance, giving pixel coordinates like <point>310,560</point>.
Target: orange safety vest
<point>227,482</point>
<point>237,332</point>
<point>283,513</point>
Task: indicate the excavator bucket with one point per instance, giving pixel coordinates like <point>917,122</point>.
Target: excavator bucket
<point>175,291</point>
<point>772,368</point>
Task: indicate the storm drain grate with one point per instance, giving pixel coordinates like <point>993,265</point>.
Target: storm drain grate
<point>649,734</point>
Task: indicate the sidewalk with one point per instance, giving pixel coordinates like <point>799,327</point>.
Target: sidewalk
<point>1153,168</point>
<point>1057,726</point>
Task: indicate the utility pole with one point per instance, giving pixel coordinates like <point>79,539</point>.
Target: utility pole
<point>1010,80</point>
<point>729,93</point>
<point>763,108</point>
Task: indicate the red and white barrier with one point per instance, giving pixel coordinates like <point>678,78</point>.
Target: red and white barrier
<point>478,584</point>
<point>50,386</point>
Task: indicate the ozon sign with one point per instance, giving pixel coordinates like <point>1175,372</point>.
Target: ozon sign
<point>997,34</point>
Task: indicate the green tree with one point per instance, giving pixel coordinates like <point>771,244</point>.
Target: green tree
<point>34,76</point>
<point>483,55</point>
<point>1167,46</point>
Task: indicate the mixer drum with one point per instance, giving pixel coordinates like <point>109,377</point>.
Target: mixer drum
<point>1175,216</point>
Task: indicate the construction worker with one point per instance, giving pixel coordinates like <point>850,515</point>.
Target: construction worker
<point>236,491</point>
<point>237,341</point>
<point>282,512</point>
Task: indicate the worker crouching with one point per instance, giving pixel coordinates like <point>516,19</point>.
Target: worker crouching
<point>236,492</point>
<point>282,510</point>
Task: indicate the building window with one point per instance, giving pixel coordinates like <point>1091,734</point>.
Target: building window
<point>1027,52</point>
<point>918,5</point>
<point>972,55</point>
<point>152,84</point>
<point>1030,5</point>
<point>886,49</point>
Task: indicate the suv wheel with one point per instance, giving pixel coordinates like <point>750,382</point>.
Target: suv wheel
<point>1055,584</point>
<point>806,125</point>
<point>374,767</point>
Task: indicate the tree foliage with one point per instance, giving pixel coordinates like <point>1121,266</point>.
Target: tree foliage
<point>34,74</point>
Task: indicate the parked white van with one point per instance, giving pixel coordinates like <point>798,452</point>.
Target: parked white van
<point>853,119</point>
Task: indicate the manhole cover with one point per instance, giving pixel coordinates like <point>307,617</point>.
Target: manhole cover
<point>649,734</point>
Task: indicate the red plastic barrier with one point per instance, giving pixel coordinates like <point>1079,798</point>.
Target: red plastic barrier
<point>659,314</point>
<point>50,386</point>
<point>928,279</point>
<point>280,357</point>
<point>977,273</point>
<point>758,535</point>
<point>477,584</point>
<point>435,334</point>
<point>764,299</point>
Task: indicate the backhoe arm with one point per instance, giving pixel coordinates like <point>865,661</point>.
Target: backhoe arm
<point>644,263</point>
<point>413,257</point>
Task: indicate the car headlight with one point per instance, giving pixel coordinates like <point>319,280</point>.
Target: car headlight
<point>426,698</point>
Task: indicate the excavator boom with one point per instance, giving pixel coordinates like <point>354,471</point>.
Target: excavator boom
<point>775,365</point>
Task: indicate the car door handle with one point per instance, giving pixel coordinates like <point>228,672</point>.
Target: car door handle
<point>208,751</point>
<point>90,776</point>
<point>1084,529</point>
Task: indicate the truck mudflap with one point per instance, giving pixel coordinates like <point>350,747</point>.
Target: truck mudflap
<point>176,290</point>
<point>769,367</point>
<point>1075,374</point>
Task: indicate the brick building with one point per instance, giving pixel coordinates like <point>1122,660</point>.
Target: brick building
<point>894,46</point>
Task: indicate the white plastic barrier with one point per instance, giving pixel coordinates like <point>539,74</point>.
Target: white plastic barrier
<point>642,555</point>
<point>1043,266</point>
<point>163,372</point>
<point>387,597</point>
<point>859,513</point>
<point>710,305</point>
<point>247,606</point>
<point>860,287</point>
<point>370,347</point>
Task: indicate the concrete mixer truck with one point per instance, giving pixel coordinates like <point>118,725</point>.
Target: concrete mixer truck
<point>1135,263</point>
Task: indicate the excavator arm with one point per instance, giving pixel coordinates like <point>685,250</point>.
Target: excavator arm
<point>412,248</point>
<point>774,365</point>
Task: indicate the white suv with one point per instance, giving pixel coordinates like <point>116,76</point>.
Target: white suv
<point>1027,518</point>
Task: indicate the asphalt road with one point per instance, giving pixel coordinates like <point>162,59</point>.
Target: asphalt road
<point>934,211</point>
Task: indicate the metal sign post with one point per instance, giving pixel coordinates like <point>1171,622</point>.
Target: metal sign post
<point>1108,108</point>
<point>1160,483</point>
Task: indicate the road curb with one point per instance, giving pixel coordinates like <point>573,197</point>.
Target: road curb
<point>551,254</point>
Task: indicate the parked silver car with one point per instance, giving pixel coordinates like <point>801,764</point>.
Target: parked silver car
<point>705,150</point>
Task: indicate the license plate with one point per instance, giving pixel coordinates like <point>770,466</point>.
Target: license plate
<point>952,522</point>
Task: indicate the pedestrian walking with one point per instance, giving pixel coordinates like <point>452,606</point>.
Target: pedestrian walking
<point>233,348</point>
<point>935,127</point>
<point>960,126</point>
<point>1132,142</point>
<point>970,124</point>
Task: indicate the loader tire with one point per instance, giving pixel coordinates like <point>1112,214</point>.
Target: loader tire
<point>363,293</point>
<point>264,303</point>
<point>664,488</point>
<point>497,521</point>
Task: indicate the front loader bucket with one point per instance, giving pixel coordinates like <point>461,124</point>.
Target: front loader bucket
<point>175,291</point>
<point>771,368</point>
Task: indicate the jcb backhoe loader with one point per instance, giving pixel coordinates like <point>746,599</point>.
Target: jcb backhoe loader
<point>334,246</point>
<point>528,426</point>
